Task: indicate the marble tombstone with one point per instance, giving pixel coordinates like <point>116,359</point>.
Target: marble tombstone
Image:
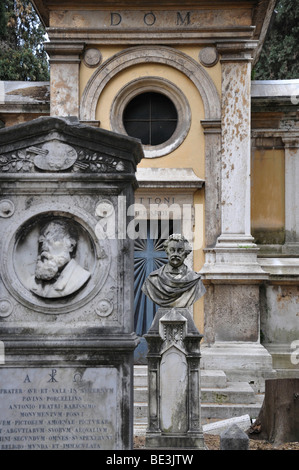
<point>174,415</point>
<point>66,287</point>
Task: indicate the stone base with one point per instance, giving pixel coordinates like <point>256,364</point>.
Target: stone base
<point>78,392</point>
<point>241,361</point>
<point>190,441</point>
<point>174,381</point>
<point>285,359</point>
<point>220,399</point>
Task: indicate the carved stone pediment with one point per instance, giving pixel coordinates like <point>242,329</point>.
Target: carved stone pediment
<point>55,145</point>
<point>60,180</point>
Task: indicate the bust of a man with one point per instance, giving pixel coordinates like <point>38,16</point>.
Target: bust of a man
<point>57,273</point>
<point>174,285</point>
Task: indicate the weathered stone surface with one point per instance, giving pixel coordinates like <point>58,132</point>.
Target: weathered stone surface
<point>174,285</point>
<point>236,313</point>
<point>149,20</point>
<point>234,439</point>
<point>219,427</point>
<point>241,361</point>
<point>57,273</point>
<point>208,56</point>
<point>57,144</point>
<point>92,57</point>
<point>174,381</point>
<point>59,408</point>
<point>66,307</point>
<point>174,353</point>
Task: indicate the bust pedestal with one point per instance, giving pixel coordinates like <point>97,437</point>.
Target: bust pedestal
<point>174,381</point>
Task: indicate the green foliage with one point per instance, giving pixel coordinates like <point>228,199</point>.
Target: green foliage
<point>279,59</point>
<point>22,56</point>
<point>2,20</point>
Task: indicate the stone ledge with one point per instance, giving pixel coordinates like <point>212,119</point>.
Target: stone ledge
<point>243,362</point>
<point>170,177</point>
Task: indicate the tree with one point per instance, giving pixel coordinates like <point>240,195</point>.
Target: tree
<point>22,56</point>
<point>278,420</point>
<point>279,59</point>
<point>2,21</point>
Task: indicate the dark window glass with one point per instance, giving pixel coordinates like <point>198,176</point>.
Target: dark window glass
<point>151,117</point>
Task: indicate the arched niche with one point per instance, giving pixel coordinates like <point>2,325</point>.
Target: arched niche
<point>154,54</point>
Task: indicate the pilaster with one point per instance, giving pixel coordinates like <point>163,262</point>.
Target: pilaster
<point>64,77</point>
<point>234,255</point>
<point>231,273</point>
<point>235,143</point>
<point>291,143</point>
<point>212,132</point>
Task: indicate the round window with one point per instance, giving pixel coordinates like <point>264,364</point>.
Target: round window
<point>150,117</point>
<point>153,110</point>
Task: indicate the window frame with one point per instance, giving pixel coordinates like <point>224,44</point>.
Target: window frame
<point>147,102</point>
<point>155,85</point>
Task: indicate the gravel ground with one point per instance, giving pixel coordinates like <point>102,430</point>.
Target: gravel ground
<point>213,443</point>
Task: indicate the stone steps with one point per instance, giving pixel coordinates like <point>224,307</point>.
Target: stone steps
<point>220,399</point>
<point>238,392</point>
<point>209,378</point>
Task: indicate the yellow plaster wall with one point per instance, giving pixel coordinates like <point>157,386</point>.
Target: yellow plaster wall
<point>87,72</point>
<point>267,195</point>
<point>190,154</point>
<point>214,72</point>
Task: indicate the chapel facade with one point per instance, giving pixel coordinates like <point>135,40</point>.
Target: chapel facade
<point>221,157</point>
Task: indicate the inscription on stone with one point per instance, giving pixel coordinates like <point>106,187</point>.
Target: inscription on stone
<point>58,408</point>
<point>152,19</point>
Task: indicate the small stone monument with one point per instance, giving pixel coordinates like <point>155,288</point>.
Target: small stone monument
<point>234,438</point>
<point>174,418</point>
<point>66,287</point>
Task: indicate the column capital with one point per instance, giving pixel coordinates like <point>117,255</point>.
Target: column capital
<point>290,141</point>
<point>64,78</point>
<point>236,51</point>
<point>211,126</point>
<point>64,51</point>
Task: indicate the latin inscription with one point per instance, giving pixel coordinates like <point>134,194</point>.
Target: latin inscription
<point>58,408</point>
<point>150,18</point>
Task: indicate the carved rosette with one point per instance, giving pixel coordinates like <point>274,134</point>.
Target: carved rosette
<point>6,307</point>
<point>7,208</point>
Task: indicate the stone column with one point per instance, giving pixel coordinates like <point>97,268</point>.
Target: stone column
<point>64,79</point>
<point>291,194</point>
<point>231,272</point>
<point>234,255</point>
<point>212,132</point>
<point>235,143</point>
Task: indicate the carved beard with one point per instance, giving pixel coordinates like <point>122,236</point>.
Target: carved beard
<point>47,266</point>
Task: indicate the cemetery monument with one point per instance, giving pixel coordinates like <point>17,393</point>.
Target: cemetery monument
<point>66,316</point>
<point>174,353</point>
